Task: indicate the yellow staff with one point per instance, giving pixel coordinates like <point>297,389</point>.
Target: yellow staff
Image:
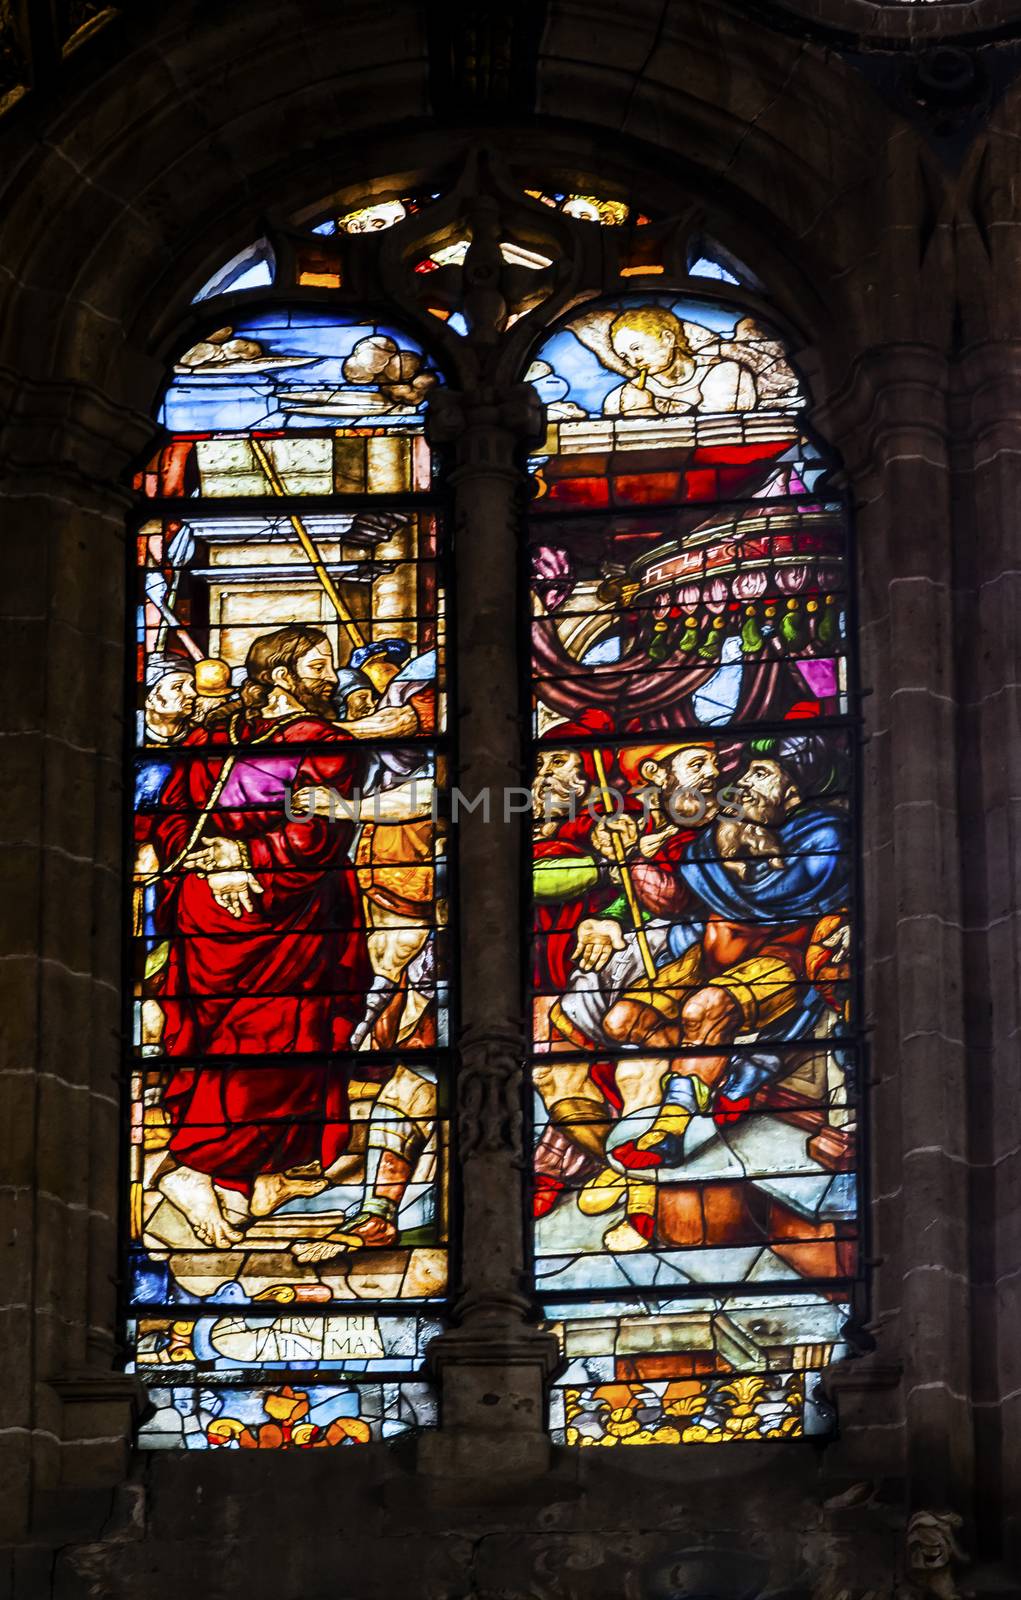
<point>307,543</point>
<point>625,871</point>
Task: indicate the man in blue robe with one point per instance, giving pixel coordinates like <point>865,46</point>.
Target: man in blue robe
<point>768,879</point>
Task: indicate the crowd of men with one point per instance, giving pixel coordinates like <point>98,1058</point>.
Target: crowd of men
<point>687,924</point>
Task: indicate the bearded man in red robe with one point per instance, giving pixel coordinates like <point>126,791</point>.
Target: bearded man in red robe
<point>267,947</point>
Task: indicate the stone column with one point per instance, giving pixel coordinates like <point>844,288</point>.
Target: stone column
<point>493,1365</point>
<point>70,1413</point>
<point>892,426</point>
<point>988,632</point>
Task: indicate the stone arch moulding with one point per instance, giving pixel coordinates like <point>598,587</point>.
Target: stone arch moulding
<point>899,23</point>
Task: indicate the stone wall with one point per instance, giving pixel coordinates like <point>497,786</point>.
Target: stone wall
<point>888,236</point>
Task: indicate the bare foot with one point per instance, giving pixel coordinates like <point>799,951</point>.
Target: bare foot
<point>194,1196</point>
<point>366,1232</point>
<point>273,1189</point>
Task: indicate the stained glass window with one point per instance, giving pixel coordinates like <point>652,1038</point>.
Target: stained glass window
<point>709,267</point>
<point>289,1032</point>
<point>707,259</point>
<point>694,1069</point>
<point>374,213</point>
<point>694,1064</point>
<point>251,268</point>
<point>600,209</point>
<point>453,255</point>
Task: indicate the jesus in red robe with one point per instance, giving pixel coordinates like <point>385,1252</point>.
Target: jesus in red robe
<point>267,946</point>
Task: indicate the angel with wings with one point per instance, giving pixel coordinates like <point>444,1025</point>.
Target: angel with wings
<point>672,367</point>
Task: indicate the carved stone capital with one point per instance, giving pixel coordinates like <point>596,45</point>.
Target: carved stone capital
<point>489,1084</point>
<point>85,1393</point>
<point>497,1312</point>
<point>865,1395</point>
<point>473,420</point>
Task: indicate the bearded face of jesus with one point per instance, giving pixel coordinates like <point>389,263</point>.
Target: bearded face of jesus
<point>312,680</point>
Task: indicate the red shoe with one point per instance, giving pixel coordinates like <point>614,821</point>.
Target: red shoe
<point>727,1110</point>
<point>666,1152</point>
<point>643,1224</point>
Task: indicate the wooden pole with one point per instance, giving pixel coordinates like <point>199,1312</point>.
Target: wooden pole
<point>625,871</point>
<point>307,543</point>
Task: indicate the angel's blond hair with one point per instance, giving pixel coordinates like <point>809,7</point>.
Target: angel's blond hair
<point>655,320</point>
<point>366,213</point>
<point>611,213</point>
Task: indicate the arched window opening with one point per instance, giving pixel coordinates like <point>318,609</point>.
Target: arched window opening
<point>693,1019</point>
<point>694,1042</point>
<point>252,268</point>
<point>289,1069</point>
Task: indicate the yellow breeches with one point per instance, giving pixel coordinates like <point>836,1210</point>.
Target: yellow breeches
<point>764,986</point>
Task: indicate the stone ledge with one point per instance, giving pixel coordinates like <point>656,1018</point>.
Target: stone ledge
<point>99,1414</point>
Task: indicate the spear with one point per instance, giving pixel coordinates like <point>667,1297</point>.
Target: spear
<point>171,621</point>
<point>625,870</point>
<point>308,544</point>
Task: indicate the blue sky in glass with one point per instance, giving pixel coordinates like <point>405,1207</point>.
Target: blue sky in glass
<point>705,267</point>
<point>257,276</point>
<point>252,268</point>
<point>232,400</point>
